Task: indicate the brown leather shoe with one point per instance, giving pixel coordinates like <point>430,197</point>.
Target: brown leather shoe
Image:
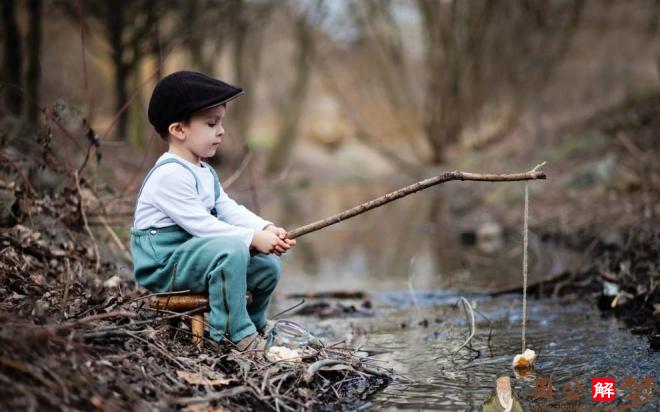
<point>253,342</point>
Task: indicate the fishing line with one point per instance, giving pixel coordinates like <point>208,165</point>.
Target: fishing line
<point>525,242</point>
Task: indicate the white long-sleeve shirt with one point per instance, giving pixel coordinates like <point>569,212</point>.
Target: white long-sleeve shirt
<point>169,197</point>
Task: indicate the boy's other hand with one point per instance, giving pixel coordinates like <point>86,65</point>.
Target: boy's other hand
<point>281,233</point>
<point>272,240</point>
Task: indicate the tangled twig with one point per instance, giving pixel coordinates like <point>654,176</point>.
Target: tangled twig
<point>83,214</point>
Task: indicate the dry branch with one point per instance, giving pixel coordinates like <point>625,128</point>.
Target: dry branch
<point>405,191</point>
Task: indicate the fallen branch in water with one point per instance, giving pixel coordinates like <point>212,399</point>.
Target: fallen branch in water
<point>317,366</point>
<point>415,187</point>
<point>332,294</point>
<point>470,314</point>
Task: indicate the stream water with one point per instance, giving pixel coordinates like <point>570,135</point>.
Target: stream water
<point>413,259</point>
<point>573,341</point>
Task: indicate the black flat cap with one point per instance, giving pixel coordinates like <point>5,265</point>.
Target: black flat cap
<point>180,94</point>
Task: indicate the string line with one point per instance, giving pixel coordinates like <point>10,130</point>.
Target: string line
<point>525,242</point>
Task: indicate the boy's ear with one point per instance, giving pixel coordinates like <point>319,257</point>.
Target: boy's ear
<point>176,130</point>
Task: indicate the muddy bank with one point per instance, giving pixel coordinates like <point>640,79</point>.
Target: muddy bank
<point>612,201</point>
<point>602,201</point>
<point>619,274</point>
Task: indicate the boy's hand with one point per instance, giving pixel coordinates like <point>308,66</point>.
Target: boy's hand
<point>272,240</point>
<point>281,233</point>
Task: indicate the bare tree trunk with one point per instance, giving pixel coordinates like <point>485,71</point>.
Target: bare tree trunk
<point>652,30</point>
<point>479,50</point>
<point>290,114</point>
<point>384,46</point>
<point>156,48</point>
<point>244,70</point>
<point>13,59</point>
<point>443,100</point>
<point>131,31</point>
<point>33,75</point>
<point>197,37</point>
<point>115,28</point>
<point>248,33</point>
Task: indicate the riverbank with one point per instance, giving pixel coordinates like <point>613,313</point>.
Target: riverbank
<point>601,200</point>
<point>73,336</point>
<point>77,335</point>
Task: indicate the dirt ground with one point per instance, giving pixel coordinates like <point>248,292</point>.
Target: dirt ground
<point>75,336</point>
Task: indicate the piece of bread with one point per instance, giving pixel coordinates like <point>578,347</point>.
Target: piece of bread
<point>525,360</point>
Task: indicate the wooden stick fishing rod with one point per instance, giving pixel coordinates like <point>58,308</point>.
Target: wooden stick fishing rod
<point>415,187</point>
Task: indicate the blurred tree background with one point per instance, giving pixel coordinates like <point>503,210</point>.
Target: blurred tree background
<point>379,86</point>
<point>346,100</point>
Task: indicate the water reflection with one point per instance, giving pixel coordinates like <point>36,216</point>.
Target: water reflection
<point>422,236</point>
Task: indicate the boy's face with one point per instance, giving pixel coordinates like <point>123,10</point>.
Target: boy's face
<point>203,133</point>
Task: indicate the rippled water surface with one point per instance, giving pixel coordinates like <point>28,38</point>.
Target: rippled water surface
<point>573,341</point>
<point>413,259</point>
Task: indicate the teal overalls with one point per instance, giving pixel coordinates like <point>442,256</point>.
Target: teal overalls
<point>170,259</point>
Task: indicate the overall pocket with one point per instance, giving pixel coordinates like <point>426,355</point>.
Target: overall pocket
<point>164,242</point>
<point>145,260</point>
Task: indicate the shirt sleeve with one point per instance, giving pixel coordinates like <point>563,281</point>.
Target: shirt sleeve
<point>176,196</point>
<point>238,215</point>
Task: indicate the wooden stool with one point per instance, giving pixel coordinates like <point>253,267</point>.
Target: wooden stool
<point>188,302</point>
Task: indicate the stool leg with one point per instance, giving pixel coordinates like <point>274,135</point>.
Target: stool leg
<point>197,326</point>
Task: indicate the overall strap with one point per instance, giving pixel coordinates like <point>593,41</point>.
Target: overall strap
<point>216,188</point>
<point>216,180</point>
<point>167,161</point>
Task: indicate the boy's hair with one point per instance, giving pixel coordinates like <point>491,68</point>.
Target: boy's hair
<point>179,95</point>
<point>165,134</point>
<point>186,119</point>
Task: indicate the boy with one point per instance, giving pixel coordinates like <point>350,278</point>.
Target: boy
<point>187,233</point>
